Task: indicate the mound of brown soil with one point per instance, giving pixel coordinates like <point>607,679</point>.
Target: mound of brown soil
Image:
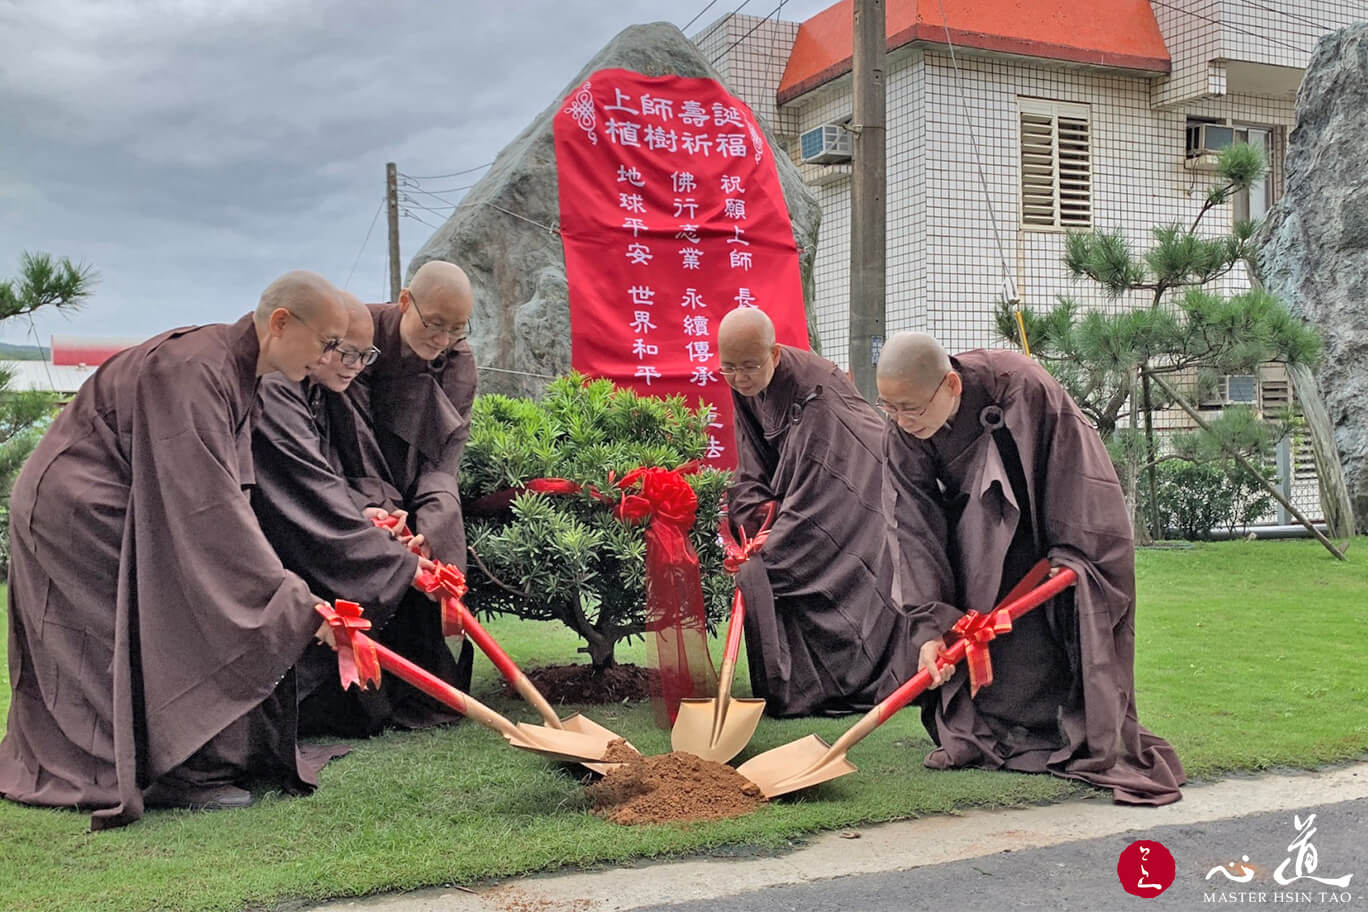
<point>673,788</point>
<point>586,684</point>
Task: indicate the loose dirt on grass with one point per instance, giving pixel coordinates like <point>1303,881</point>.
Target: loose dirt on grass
<point>585,684</point>
<point>672,788</point>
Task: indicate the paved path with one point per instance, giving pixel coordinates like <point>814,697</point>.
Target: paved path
<point>1060,857</point>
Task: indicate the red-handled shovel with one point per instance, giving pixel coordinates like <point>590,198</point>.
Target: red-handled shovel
<point>810,761</point>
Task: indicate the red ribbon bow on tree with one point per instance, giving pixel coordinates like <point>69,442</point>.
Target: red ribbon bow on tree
<point>977,630</point>
<point>357,662</point>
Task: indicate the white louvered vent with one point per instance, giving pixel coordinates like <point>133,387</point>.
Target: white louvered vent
<point>1056,164</point>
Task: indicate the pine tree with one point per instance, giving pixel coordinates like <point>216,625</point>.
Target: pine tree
<point>43,283</point>
<point>1112,362</point>
<point>563,557</point>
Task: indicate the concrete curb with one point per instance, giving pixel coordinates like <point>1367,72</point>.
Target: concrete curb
<point>887,847</point>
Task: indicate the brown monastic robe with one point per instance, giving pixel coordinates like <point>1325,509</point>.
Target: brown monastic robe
<point>418,414</point>
<point>822,633</point>
<point>314,520</point>
<point>1024,476</point>
<point>150,620</point>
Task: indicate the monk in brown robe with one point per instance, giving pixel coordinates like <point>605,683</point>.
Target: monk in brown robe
<point>400,431</point>
<point>150,619</point>
<point>1023,476</point>
<point>315,522</point>
<point>822,633</point>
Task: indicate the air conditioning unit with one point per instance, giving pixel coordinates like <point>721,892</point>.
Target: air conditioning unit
<point>825,145</point>
<point>1205,143</point>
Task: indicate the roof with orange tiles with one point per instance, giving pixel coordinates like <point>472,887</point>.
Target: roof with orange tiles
<point>1112,33</point>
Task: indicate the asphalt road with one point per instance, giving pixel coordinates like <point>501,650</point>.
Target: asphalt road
<point>1083,875</point>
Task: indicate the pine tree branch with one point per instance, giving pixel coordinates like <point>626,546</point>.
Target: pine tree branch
<point>520,593</point>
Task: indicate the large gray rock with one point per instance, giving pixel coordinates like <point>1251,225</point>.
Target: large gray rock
<point>1314,243</point>
<point>521,325</point>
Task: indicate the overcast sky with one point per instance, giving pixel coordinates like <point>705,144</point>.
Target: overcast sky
<point>191,151</point>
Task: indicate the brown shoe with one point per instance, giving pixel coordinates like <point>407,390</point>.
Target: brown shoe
<point>171,794</point>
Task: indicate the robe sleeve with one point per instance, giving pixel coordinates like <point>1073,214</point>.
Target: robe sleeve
<point>436,497</point>
<point>918,535</point>
<point>310,515</point>
<point>219,620</point>
<point>750,488</point>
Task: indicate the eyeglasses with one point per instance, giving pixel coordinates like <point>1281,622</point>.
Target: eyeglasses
<point>351,357</point>
<point>455,334</point>
<point>331,344</point>
<point>750,367</point>
<point>893,412</point>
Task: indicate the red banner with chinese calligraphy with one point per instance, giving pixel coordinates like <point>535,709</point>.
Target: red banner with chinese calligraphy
<point>671,214</point>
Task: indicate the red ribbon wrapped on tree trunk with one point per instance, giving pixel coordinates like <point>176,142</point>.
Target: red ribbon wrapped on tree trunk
<point>676,621</point>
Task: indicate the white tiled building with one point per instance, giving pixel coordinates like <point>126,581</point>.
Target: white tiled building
<point>1080,113</point>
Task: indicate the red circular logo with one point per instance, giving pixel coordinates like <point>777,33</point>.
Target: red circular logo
<point>1145,868</point>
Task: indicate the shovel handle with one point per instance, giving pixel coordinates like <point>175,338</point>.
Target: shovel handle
<point>507,667</point>
<point>918,683</point>
<point>438,689</point>
<point>733,648</point>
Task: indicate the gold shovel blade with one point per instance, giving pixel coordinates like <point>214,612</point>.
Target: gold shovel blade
<point>698,730</point>
<point>572,746</point>
<point>793,766</point>
<point>587,726</point>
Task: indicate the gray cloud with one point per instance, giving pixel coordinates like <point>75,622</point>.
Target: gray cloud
<point>190,151</point>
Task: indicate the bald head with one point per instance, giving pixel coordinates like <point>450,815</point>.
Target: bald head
<point>436,305</point>
<point>917,383</point>
<point>350,358</point>
<point>747,350</point>
<point>305,294</point>
<point>915,358</point>
<point>360,325</point>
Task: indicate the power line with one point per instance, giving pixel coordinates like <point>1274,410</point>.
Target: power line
<point>409,214</point>
<point>407,200</point>
<point>452,174</point>
<point>752,31</point>
<point>442,199</point>
<point>719,23</point>
<point>1225,25</point>
<point>416,186</point>
<point>1323,28</point>
<point>374,219</point>
<point>698,14</point>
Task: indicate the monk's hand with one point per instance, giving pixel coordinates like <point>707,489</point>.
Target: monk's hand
<point>325,636</point>
<point>419,546</point>
<point>375,513</point>
<point>426,566</point>
<point>1054,571</point>
<point>930,651</point>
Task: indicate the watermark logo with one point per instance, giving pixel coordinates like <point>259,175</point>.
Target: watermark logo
<point>1145,868</point>
<point>1299,866</point>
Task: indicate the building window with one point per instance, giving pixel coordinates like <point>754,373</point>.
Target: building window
<point>1056,164</point>
<point>1252,204</point>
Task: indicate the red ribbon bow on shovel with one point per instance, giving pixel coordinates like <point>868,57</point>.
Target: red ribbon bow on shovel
<point>357,662</point>
<point>977,630</point>
<point>739,553</point>
<point>452,582</point>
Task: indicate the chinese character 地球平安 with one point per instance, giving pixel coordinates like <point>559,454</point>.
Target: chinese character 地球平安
<point>639,254</point>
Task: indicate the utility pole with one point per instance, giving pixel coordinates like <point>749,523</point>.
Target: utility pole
<point>868,216</point>
<point>392,204</point>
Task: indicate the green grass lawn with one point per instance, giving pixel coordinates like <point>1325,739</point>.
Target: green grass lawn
<point>1249,655</point>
